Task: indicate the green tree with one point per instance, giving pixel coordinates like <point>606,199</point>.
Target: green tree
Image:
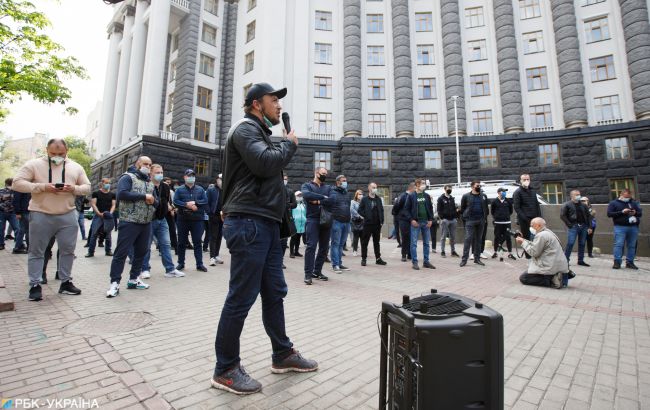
<point>30,61</point>
<point>78,152</point>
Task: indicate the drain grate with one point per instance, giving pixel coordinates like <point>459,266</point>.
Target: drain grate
<point>110,324</point>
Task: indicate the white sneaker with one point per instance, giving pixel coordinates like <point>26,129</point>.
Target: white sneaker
<point>136,284</point>
<point>145,274</point>
<point>174,274</point>
<point>354,253</point>
<point>218,260</point>
<point>114,290</point>
<point>485,255</point>
<point>213,262</point>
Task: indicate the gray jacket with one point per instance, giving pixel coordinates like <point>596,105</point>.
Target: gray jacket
<point>547,255</point>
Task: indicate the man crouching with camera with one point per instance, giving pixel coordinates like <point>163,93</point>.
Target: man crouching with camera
<point>548,263</point>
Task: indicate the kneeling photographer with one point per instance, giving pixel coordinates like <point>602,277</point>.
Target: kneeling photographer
<point>548,264</point>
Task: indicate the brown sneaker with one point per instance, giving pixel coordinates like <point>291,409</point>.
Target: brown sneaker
<point>237,381</point>
<point>294,363</point>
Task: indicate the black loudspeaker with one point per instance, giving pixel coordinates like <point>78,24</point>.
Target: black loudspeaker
<point>440,351</point>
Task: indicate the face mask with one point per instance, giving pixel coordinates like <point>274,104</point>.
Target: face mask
<point>158,177</point>
<point>525,184</point>
<point>190,180</point>
<point>374,191</point>
<point>532,230</point>
<point>625,199</point>
<point>285,182</point>
<point>107,186</point>
<point>577,199</point>
<point>267,122</point>
<point>448,192</point>
<point>219,184</point>
<point>299,199</point>
<point>322,178</point>
<point>145,170</point>
<point>57,160</point>
<point>503,195</point>
<point>344,185</point>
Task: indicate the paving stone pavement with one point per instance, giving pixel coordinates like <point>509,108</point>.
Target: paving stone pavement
<point>587,346</point>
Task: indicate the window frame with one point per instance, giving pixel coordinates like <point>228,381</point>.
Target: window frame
<point>319,50</point>
<point>206,27</point>
<point>470,16</point>
<point>476,120</point>
<point>589,29</point>
<point>201,166</point>
<point>525,6</point>
<point>482,43</point>
<point>488,162</point>
<point>558,193</point>
<point>201,63</point>
<point>533,111</point>
<point>432,86</point>
<point>250,34</point>
<point>424,25</point>
<point>595,69</point>
<point>615,190</point>
<point>215,7</point>
<point>319,83</point>
<point>318,23</point>
<point>381,56</point>
<point>376,84</point>
<point>434,123</point>
<point>610,150</point>
<point>327,120</point>
<point>205,129</point>
<point>598,108</point>
<point>325,162</point>
<point>420,50</point>
<point>543,155</point>
<point>204,94</point>
<point>377,163</point>
<point>427,161</point>
<point>376,21</point>
<point>484,85</point>
<point>539,40</point>
<point>377,120</point>
<point>537,74</point>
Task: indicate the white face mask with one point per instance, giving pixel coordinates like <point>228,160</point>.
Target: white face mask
<point>285,182</point>
<point>532,230</point>
<point>145,170</point>
<point>374,191</point>
<point>57,160</point>
<point>525,184</point>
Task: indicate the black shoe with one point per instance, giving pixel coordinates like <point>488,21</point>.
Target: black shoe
<point>284,266</point>
<point>9,237</point>
<point>453,253</point>
<point>294,362</point>
<point>69,289</point>
<point>86,245</point>
<point>583,263</point>
<point>237,381</point>
<point>442,254</point>
<point>463,263</point>
<point>511,256</point>
<point>35,293</point>
<point>344,267</point>
<point>101,244</point>
<point>19,251</point>
<point>380,261</point>
<point>327,260</point>
<point>345,248</point>
<point>201,268</point>
<point>189,246</point>
<point>494,255</point>
<point>403,258</point>
<point>428,265</point>
<point>298,254</point>
<point>363,262</point>
<point>631,265</point>
<point>415,266</point>
<point>307,281</point>
<point>590,255</point>
<point>44,279</point>
<point>479,262</point>
<point>343,254</point>
<point>571,274</point>
<point>89,255</point>
<point>206,250</point>
<point>320,276</point>
<point>56,275</point>
<point>617,265</point>
<point>2,247</point>
<point>399,245</point>
<point>109,253</point>
<point>292,256</point>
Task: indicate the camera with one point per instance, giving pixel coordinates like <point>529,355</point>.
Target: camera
<point>514,234</point>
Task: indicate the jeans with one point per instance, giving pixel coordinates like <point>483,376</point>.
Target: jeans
<point>625,236</point>
<point>473,234</point>
<point>13,222</point>
<point>94,234</point>
<point>426,232</point>
<point>317,236</point>
<point>160,231</point>
<point>448,229</point>
<point>216,233</point>
<point>339,235</point>
<point>82,225</point>
<point>22,236</point>
<point>375,232</point>
<point>578,232</point>
<point>195,228</point>
<point>255,269</point>
<point>42,228</point>
<point>405,230</point>
<point>130,235</point>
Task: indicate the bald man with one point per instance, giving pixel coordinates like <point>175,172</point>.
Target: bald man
<point>138,202</point>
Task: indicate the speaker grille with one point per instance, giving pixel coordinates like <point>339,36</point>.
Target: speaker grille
<point>436,305</point>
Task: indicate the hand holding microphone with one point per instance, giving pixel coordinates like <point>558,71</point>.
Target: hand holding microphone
<point>289,133</point>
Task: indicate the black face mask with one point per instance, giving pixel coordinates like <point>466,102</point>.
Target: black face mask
<point>448,192</point>
<point>322,178</point>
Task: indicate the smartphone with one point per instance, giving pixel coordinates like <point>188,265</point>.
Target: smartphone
<point>59,186</point>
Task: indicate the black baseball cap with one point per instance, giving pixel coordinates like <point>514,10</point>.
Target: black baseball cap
<point>189,171</point>
<point>502,190</point>
<point>259,90</point>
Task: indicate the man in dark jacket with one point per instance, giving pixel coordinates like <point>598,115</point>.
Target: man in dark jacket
<point>190,199</point>
<point>21,208</point>
<point>526,205</point>
<point>420,212</point>
<point>474,211</point>
<point>577,218</point>
<point>254,204</point>
<point>8,214</point>
<point>501,209</point>
<point>215,222</point>
<point>371,209</point>
<point>340,222</point>
<point>626,214</point>
<point>292,203</point>
<point>448,214</point>
<point>316,194</point>
<point>402,216</point>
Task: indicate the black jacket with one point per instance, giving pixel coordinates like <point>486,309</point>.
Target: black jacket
<point>341,207</point>
<point>501,211</point>
<point>366,210</point>
<point>465,203</point>
<point>399,209</point>
<point>446,207</point>
<point>569,214</point>
<point>525,203</point>
<point>21,202</point>
<point>291,198</point>
<point>412,206</point>
<point>252,171</point>
<point>164,194</point>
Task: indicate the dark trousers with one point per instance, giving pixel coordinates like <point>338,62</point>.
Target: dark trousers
<point>590,242</point>
<point>316,236</point>
<point>172,230</point>
<point>355,239</point>
<point>398,234</point>
<point>23,234</point>
<point>130,235</point>
<point>405,230</point>
<point>207,235</point>
<point>473,233</point>
<point>525,231</point>
<point>434,233</point>
<point>195,228</point>
<point>294,244</point>
<point>255,269</point>
<point>533,279</point>
<point>483,236</point>
<point>216,233</point>
<point>501,235</point>
<point>375,232</point>
<point>48,255</point>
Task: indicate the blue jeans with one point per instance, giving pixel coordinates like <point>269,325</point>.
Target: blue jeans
<point>160,230</point>
<point>94,232</point>
<point>13,221</point>
<point>130,235</point>
<point>625,236</point>
<point>426,236</point>
<point>578,232</point>
<point>82,225</point>
<point>255,269</point>
<point>339,235</point>
<point>316,236</point>
<point>22,236</point>
<point>195,228</point>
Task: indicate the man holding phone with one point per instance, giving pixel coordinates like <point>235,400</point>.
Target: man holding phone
<point>54,181</point>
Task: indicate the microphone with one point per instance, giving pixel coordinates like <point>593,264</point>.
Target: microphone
<point>285,121</point>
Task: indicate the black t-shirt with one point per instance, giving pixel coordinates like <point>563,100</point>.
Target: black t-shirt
<point>104,200</point>
<point>581,214</point>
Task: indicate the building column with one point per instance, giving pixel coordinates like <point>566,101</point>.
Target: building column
<point>404,126</point>
<point>110,83</point>
<point>508,60</point>
<point>567,47</point>
<point>637,45</point>
<point>154,67</point>
<point>352,104</point>
<point>226,71</point>
<point>453,56</point>
<point>122,79</point>
<point>136,70</point>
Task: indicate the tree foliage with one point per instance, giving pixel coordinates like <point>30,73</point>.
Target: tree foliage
<point>30,61</point>
<point>78,151</point>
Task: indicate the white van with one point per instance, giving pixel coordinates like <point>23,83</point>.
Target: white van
<point>489,188</point>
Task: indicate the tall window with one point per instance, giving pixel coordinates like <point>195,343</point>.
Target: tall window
<point>617,185</point>
<point>477,50</point>
<point>428,124</point>
<point>423,22</point>
<point>617,148</point>
<point>380,159</point>
<point>537,78</point>
<point>249,62</point>
<point>376,55</point>
<point>323,53</point>
<point>323,87</point>
<point>323,159</point>
<point>480,85</point>
<point>174,42</point>
<point>204,97</point>
<point>206,65</point>
<point>549,155</point>
<point>246,88</point>
<point>375,23</point>
<point>529,9</point>
<point>482,121</point>
<point>201,166</point>
<point>251,4</point>
<point>474,17</point>
<point>172,71</point>
<point>324,20</point>
<point>597,29</point>
<point>170,103</point>
<point>209,35</point>
<point>553,192</point>
<point>533,42</point>
<point>433,159</point>
<point>540,116</point>
<point>201,130</point>
<point>323,122</point>
<point>377,124</point>
<point>250,31</point>
<point>211,6</point>
<point>425,54</point>
<point>602,68</point>
<point>376,89</point>
<point>426,88</point>
<point>607,108</point>
<point>488,157</point>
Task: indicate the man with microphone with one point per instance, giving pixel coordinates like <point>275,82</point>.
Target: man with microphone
<point>254,203</point>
